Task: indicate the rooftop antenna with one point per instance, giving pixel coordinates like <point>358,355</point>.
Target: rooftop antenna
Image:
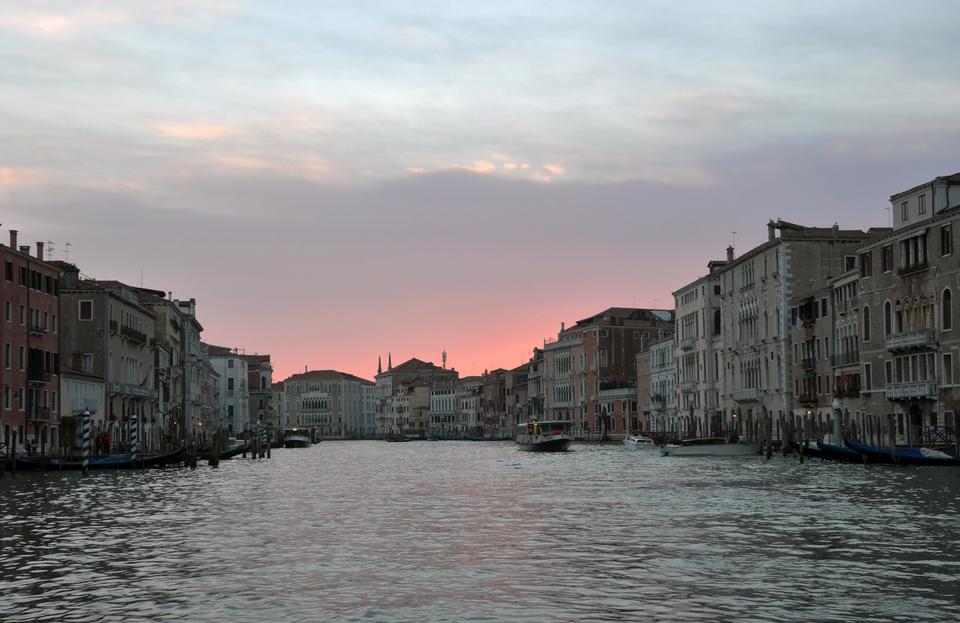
<point>49,250</point>
<point>66,252</point>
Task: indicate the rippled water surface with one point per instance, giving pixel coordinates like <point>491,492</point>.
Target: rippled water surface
<point>460,531</point>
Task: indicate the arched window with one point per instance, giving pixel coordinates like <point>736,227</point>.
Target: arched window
<point>866,323</point>
<point>898,318</point>
<point>887,324</point>
<point>946,308</point>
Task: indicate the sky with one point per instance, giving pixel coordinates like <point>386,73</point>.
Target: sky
<point>337,181</point>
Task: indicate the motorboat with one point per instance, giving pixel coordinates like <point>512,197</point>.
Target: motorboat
<point>711,446</point>
<point>296,438</point>
<point>546,436</point>
<point>640,442</point>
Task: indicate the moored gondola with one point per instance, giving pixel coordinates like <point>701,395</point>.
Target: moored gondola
<point>902,455</point>
<point>113,461</point>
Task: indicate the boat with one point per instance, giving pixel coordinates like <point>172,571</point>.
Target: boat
<point>711,446</point>
<point>296,438</point>
<point>640,442</point>
<point>234,447</point>
<point>546,436</point>
<point>834,452</point>
<point>113,461</point>
<point>902,455</point>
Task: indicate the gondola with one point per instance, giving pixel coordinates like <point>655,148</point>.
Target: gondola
<point>113,461</point>
<point>831,452</point>
<point>902,455</point>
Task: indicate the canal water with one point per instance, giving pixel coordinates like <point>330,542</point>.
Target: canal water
<point>461,531</point>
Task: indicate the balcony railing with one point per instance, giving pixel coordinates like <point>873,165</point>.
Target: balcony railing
<point>38,377</point>
<point>913,268</point>
<point>132,390</point>
<point>37,329</point>
<point>113,326</point>
<point>133,335</point>
<point>807,399</point>
<point>688,386</point>
<point>39,414</point>
<point>926,390</point>
<point>808,364</point>
<point>746,395</point>
<point>925,338</point>
<point>845,359</point>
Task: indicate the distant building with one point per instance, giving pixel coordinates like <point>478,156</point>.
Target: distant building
<point>259,383</point>
<point>662,405</point>
<point>599,354</point>
<point>335,404</point>
<point>230,367</point>
<point>403,394</point>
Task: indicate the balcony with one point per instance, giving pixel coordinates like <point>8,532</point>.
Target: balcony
<point>747,395</point>
<point>132,390</point>
<point>39,414</point>
<point>688,343</point>
<point>807,400</point>
<point>37,329</point>
<point>922,390</point>
<point>113,326</point>
<point>912,340</point>
<point>845,359</point>
<point>808,364</point>
<point>38,376</point>
<point>913,268</point>
<point>688,386</point>
<point>133,335</point>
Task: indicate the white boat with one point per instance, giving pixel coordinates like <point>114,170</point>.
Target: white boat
<point>296,438</point>
<point>547,436</point>
<point>710,446</point>
<point>639,442</point>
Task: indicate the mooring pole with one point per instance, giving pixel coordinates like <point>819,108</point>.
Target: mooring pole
<point>85,442</point>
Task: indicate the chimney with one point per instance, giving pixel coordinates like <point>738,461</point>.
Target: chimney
<point>836,231</point>
<point>25,248</point>
<point>13,239</point>
<point>771,231</point>
<point>730,253</point>
<point>562,326</point>
<point>40,251</point>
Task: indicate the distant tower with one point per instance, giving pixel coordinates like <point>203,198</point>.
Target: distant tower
<point>444,356</point>
<point>379,366</point>
<point>389,361</point>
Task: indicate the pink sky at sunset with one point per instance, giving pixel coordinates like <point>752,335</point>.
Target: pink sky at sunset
<point>335,183</point>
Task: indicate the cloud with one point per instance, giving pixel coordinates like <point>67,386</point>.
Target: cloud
<point>10,177</point>
<point>195,131</point>
<point>555,169</point>
<point>478,166</point>
<point>306,168</point>
<point>699,106</point>
<point>60,24</point>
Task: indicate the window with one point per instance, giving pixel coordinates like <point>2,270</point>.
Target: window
<point>888,372</point>
<point>866,264</point>
<point>947,311</point>
<point>230,383</point>
<point>23,315</point>
<point>922,204</point>
<point>87,362</point>
<point>86,310</point>
<point>947,373</point>
<point>8,271</point>
<point>866,324</point>
<point>886,258</point>
<point>823,308</point>
<point>946,240</point>
<point>905,211</point>
<point>887,321</point>
<point>7,355</point>
<point>867,377</point>
<point>849,262</point>
<point>8,311</point>
<point>229,363</point>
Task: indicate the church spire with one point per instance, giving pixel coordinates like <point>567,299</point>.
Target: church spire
<point>389,362</point>
<point>379,366</point>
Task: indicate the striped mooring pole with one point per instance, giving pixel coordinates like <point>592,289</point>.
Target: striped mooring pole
<point>134,439</point>
<point>261,438</point>
<point>85,443</point>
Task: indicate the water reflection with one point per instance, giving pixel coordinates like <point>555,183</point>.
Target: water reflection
<point>451,531</point>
